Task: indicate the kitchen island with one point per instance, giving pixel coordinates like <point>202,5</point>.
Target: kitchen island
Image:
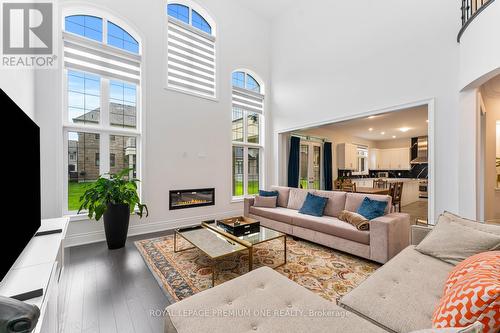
<point>410,188</point>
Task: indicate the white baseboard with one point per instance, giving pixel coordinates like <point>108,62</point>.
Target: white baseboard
<point>145,228</point>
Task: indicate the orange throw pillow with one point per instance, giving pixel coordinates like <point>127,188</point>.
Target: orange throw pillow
<point>489,260</point>
<point>472,293</point>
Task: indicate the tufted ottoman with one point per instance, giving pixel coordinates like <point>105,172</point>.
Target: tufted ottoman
<point>261,301</point>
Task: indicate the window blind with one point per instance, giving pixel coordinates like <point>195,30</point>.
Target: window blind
<point>86,55</point>
<point>248,100</point>
<point>191,59</point>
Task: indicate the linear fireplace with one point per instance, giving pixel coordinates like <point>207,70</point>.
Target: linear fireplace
<point>180,199</point>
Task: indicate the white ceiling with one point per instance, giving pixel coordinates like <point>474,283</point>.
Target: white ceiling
<point>268,9</point>
<point>414,119</point>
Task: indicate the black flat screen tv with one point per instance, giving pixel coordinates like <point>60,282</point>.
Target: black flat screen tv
<point>21,205</point>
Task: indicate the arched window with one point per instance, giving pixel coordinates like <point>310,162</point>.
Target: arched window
<point>245,80</point>
<point>247,129</point>
<point>102,101</point>
<point>84,25</point>
<point>119,38</point>
<point>189,16</point>
<point>191,50</point>
<point>92,27</point>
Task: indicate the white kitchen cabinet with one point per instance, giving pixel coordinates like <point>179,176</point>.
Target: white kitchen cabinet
<point>347,156</point>
<point>403,159</point>
<point>390,159</point>
<point>375,159</point>
<point>386,157</point>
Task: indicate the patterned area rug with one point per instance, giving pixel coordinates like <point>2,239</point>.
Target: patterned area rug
<point>328,273</point>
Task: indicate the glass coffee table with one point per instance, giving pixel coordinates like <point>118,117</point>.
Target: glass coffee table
<point>216,243</point>
<point>213,244</point>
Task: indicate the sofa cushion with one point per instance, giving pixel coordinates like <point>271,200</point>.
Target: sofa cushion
<point>332,226</point>
<point>491,228</point>
<point>353,201</point>
<point>371,209</point>
<point>263,193</point>
<point>336,202</point>
<point>262,300</point>
<point>278,214</point>
<point>314,205</point>
<point>263,201</point>
<point>297,198</point>
<point>401,295</point>
<point>283,194</point>
<point>453,242</point>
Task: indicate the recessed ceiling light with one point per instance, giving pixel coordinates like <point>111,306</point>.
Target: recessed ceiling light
<point>383,133</point>
<point>404,129</point>
<point>393,136</point>
<point>427,121</point>
<point>371,117</point>
<point>370,129</point>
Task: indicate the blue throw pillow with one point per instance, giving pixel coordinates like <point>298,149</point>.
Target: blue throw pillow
<point>371,209</point>
<point>263,193</point>
<point>313,205</point>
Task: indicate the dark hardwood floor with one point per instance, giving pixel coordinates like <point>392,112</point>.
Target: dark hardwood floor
<point>111,291</point>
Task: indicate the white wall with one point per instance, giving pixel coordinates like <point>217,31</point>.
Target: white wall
<point>187,139</point>
<point>19,84</point>
<point>468,155</point>
<point>334,60</point>
<point>479,48</point>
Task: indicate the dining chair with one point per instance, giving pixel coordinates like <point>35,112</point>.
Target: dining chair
<point>396,192</point>
<point>349,187</point>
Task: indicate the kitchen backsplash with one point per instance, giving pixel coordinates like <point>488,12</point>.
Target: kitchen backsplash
<point>417,171</point>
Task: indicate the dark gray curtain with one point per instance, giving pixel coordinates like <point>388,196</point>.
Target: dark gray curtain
<point>327,166</point>
<point>293,162</point>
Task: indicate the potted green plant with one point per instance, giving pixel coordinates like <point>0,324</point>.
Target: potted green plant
<point>115,197</point>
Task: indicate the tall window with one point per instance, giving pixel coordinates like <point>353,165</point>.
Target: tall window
<point>247,119</point>
<point>191,51</point>
<point>362,161</point>
<point>102,66</point>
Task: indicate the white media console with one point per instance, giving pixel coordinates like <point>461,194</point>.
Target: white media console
<point>40,266</point>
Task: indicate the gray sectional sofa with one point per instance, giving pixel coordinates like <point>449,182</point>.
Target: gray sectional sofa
<point>400,297</point>
<point>388,234</point>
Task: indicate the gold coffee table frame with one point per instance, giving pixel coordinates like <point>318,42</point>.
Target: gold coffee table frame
<point>211,243</point>
<point>253,239</point>
<point>215,243</point>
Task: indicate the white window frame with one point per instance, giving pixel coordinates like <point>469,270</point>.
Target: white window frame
<point>204,13</point>
<point>246,145</point>
<point>104,129</point>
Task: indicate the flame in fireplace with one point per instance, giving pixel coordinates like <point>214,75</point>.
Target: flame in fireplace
<point>191,202</point>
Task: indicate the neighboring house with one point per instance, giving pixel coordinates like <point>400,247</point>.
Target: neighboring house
<point>84,154</point>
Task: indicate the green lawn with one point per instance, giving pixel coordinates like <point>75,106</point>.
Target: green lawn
<point>75,191</point>
<point>304,184</point>
<point>253,188</point>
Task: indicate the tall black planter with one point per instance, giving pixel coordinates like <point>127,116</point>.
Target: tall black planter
<point>116,219</point>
